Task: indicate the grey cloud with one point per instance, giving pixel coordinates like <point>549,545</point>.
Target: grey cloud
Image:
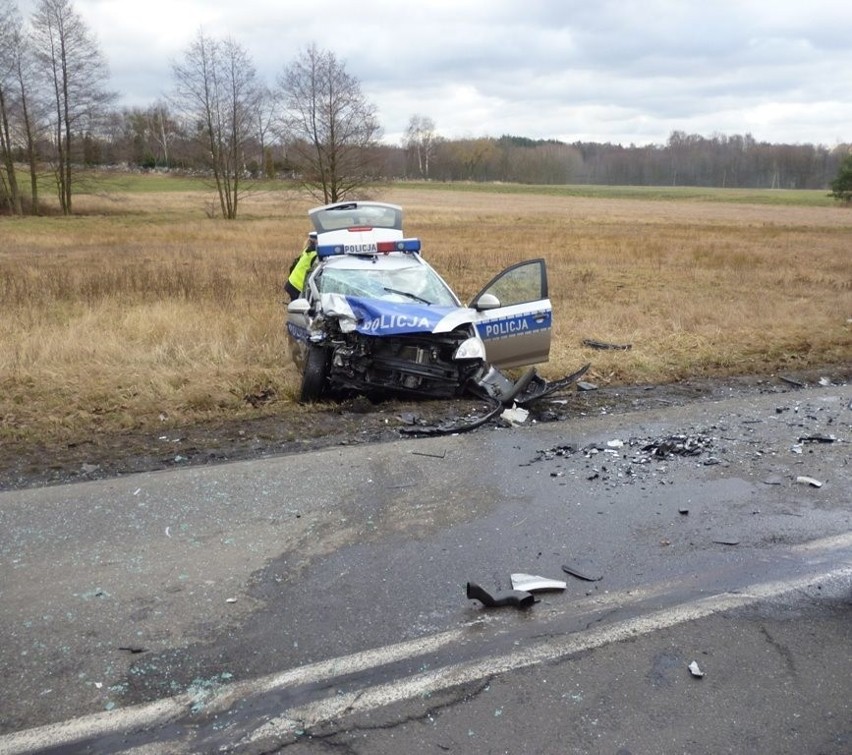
<point>612,70</point>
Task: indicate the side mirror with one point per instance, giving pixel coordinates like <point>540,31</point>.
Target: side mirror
<point>300,306</point>
<point>486,301</point>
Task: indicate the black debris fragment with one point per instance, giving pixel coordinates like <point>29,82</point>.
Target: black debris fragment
<point>514,598</point>
<point>575,572</point>
<point>635,459</point>
<point>452,427</point>
<point>547,415</point>
<point>677,445</point>
<point>259,396</point>
<point>533,387</point>
<point>791,381</point>
<point>593,344</point>
<point>442,455</point>
<point>537,387</point>
<point>557,451</point>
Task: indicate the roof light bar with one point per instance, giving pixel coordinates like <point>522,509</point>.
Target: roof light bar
<point>411,246</point>
<point>403,245</point>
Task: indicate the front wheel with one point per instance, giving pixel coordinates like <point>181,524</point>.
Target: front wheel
<point>314,374</point>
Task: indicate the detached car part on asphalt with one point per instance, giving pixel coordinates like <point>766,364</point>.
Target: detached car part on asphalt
<point>375,318</point>
<point>513,598</point>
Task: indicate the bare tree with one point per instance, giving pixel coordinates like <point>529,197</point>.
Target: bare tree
<point>10,39</point>
<point>75,71</point>
<point>144,136</point>
<point>265,117</point>
<point>30,122</point>
<point>216,85</point>
<point>476,157</point>
<point>160,129</point>
<point>31,117</point>
<point>332,127</point>
<point>421,141</point>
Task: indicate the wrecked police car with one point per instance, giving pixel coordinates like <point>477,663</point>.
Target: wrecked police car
<point>375,318</point>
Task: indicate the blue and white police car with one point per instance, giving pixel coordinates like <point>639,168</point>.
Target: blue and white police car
<point>377,319</point>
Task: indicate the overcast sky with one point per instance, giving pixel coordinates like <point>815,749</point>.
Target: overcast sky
<point>621,71</point>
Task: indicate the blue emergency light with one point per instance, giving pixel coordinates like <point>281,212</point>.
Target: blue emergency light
<point>411,246</point>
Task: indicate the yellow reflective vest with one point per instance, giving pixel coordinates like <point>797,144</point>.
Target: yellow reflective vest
<point>301,268</point>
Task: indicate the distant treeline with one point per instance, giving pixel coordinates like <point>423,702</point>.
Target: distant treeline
<point>685,160</point>
<point>151,139</point>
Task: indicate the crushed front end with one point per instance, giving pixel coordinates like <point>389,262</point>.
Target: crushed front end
<point>421,365</point>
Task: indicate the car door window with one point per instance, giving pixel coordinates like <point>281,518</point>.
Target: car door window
<point>515,317</point>
<point>521,283</point>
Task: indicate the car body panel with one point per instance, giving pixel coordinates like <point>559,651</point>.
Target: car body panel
<point>518,332</point>
<point>517,335</point>
<point>374,317</point>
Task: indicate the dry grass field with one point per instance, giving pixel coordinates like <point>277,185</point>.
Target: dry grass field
<point>142,312</point>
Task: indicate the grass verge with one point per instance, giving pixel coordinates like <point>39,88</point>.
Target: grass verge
<point>142,311</point>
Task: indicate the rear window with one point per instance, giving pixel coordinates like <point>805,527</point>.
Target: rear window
<point>356,215</point>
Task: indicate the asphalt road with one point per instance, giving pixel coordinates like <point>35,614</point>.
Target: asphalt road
<point>317,602</point>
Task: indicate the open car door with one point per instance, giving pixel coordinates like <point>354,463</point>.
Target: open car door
<point>514,316</point>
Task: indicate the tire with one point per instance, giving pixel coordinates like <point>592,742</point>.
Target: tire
<point>314,375</point>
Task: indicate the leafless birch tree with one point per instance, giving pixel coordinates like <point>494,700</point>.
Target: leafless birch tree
<point>217,88</point>
<point>31,122</point>
<point>331,128</point>
<point>421,141</point>
<point>75,73</point>
<point>10,40</point>
<point>158,118</point>
<point>265,119</point>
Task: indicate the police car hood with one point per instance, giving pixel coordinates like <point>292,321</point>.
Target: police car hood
<point>378,317</point>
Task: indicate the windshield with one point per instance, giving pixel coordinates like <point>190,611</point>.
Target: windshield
<point>416,284</point>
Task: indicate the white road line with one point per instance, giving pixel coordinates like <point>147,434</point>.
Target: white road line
<point>161,712</point>
<point>168,709</point>
<point>304,717</point>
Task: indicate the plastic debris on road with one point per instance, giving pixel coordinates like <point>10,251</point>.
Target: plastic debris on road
<point>809,481</point>
<point>579,574</point>
<point>515,415</point>
<point>532,582</point>
<point>695,670</point>
<point>514,598</point>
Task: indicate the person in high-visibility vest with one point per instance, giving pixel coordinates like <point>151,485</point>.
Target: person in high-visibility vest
<point>301,266</point>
